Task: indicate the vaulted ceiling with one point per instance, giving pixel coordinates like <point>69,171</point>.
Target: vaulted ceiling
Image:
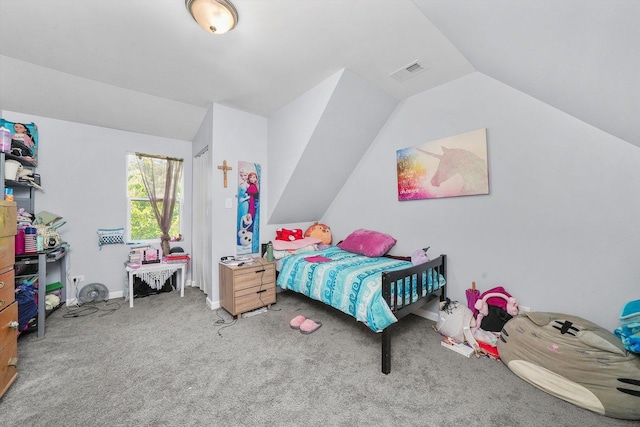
<point>146,66</point>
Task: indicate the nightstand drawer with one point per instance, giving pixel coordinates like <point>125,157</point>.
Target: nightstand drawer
<point>255,299</point>
<point>249,278</point>
<point>254,290</point>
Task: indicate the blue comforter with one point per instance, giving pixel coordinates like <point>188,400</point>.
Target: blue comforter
<point>351,283</point>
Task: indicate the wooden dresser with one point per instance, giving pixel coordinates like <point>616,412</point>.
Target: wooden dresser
<point>8,304</point>
<point>247,287</point>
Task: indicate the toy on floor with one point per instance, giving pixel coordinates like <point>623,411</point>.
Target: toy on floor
<point>495,308</point>
<point>629,330</point>
<point>574,360</point>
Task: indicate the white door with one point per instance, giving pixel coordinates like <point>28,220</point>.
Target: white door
<point>201,228</point>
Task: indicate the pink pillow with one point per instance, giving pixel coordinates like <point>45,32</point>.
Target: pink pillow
<point>368,243</point>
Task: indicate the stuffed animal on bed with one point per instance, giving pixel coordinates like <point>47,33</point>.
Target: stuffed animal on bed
<point>319,231</point>
<point>420,256</point>
<point>289,235</point>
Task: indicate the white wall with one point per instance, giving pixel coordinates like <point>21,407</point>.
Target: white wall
<point>559,227</point>
<point>83,171</point>
<point>236,136</point>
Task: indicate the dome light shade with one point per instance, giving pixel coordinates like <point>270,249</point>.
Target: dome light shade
<point>214,16</point>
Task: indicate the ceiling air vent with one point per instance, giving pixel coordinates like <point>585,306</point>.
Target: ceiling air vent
<point>407,71</point>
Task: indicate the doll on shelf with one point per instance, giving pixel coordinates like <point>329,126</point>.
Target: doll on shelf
<point>22,134</point>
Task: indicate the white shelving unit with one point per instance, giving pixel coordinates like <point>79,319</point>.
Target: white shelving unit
<point>24,196</point>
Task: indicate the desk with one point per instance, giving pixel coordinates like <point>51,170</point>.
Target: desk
<point>155,275</point>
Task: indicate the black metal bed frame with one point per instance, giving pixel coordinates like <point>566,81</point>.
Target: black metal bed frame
<point>399,279</point>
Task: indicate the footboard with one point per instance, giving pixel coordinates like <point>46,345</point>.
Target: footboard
<point>408,289</point>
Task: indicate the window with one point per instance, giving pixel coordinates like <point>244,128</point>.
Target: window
<point>141,219</point>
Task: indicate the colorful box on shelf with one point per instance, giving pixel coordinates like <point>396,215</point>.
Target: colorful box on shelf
<point>53,286</point>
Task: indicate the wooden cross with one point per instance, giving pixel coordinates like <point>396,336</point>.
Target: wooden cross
<point>224,168</point>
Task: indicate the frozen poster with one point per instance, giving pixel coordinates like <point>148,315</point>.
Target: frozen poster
<point>449,167</point>
<point>248,236</point>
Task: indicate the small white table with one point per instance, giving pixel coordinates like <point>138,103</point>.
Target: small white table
<point>155,275</point>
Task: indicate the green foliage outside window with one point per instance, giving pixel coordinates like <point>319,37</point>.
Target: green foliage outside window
<point>143,224</point>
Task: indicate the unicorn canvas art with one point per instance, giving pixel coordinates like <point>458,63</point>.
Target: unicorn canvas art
<point>449,167</point>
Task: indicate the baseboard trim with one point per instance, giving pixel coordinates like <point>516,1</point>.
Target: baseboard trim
<point>213,305</point>
<point>118,294</point>
<point>112,295</point>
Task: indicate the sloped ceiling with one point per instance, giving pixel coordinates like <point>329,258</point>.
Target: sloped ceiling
<point>350,120</point>
<point>145,66</point>
<point>581,57</point>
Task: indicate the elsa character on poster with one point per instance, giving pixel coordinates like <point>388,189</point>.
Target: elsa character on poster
<point>243,183</point>
<point>248,225</point>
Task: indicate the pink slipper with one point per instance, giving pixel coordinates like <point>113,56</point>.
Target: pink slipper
<point>297,321</point>
<point>309,326</point>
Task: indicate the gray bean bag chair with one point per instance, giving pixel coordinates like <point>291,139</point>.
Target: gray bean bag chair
<point>575,360</point>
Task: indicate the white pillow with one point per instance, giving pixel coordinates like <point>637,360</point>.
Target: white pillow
<point>283,245</point>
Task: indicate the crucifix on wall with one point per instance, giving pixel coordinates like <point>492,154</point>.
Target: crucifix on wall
<point>224,168</point>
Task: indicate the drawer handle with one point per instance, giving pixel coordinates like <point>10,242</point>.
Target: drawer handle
<point>1,302</point>
<point>14,325</point>
<point>261,291</point>
<point>13,361</point>
<point>1,285</point>
<point>260,271</point>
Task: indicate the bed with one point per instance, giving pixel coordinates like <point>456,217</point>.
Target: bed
<point>378,291</point>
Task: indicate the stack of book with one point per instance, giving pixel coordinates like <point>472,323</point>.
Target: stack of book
<point>178,257</point>
<point>136,255</point>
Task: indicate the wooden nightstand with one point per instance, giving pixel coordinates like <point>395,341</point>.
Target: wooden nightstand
<point>247,287</point>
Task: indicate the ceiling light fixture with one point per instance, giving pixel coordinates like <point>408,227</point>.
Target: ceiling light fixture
<point>215,16</point>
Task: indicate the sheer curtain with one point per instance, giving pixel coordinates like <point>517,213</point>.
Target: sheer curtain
<point>202,250</point>
<point>161,177</point>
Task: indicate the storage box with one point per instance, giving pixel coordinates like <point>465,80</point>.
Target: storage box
<point>151,256</point>
<point>5,140</point>
<point>53,286</point>
<point>630,316</point>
